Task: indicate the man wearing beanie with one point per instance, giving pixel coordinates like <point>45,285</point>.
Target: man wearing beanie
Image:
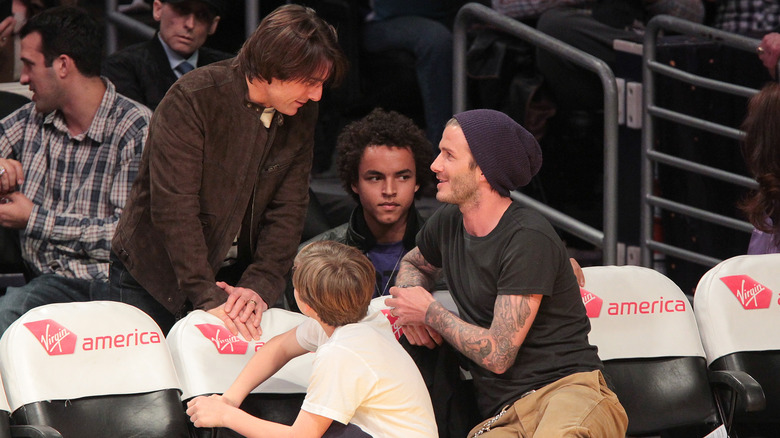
<point>522,325</point>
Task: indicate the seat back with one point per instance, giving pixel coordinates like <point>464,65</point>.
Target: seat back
<point>89,368</point>
<point>5,413</point>
<point>646,333</point>
<point>738,311</point>
<point>208,359</point>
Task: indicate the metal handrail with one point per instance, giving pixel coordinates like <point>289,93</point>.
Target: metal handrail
<point>606,238</point>
<point>651,157</point>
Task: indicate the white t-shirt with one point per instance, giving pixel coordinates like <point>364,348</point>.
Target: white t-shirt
<point>363,376</point>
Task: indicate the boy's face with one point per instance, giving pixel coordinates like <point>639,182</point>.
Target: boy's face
<point>386,184</point>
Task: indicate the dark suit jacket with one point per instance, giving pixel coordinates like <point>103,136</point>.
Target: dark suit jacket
<point>142,71</point>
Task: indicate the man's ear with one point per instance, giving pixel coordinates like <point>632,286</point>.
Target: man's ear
<point>213,27</point>
<point>63,65</point>
<point>157,10</point>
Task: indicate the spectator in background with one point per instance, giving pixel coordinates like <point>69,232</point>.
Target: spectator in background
<point>761,150</point>
<point>383,160</point>
<point>424,29</point>
<point>67,161</point>
<point>228,160</point>
<point>145,71</point>
<point>592,29</point>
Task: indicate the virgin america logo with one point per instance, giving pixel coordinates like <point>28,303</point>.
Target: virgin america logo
<point>750,293</point>
<point>226,342</point>
<point>397,330</point>
<point>592,303</point>
<point>54,338</point>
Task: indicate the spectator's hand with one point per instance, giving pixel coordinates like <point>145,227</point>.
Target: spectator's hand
<point>11,175</point>
<point>422,335</point>
<point>243,303</point>
<point>6,30</point>
<point>577,272</point>
<point>769,52</point>
<point>15,210</point>
<point>248,331</point>
<point>208,411</point>
<point>409,304</point>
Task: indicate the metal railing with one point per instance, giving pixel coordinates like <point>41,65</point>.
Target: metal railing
<point>652,157</point>
<point>606,239</point>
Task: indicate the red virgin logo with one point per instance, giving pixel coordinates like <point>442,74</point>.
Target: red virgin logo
<point>54,338</point>
<point>750,293</point>
<point>592,303</point>
<point>226,342</point>
<point>397,330</point>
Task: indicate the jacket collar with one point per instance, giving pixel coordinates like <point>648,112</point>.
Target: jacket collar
<point>360,236</point>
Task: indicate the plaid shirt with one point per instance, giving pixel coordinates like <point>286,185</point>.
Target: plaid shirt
<point>748,17</point>
<point>78,185</point>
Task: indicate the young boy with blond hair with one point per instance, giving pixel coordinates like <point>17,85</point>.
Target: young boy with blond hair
<point>362,377</point>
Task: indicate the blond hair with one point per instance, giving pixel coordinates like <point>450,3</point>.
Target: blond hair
<point>335,280</point>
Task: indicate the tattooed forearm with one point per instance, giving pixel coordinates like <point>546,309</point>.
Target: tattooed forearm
<point>416,271</point>
<point>495,348</point>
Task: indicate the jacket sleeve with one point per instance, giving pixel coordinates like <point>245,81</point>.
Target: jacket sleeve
<point>176,154</point>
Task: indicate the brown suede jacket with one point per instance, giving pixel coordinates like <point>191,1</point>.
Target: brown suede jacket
<point>207,159</point>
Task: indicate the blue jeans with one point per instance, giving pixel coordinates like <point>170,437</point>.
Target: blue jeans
<point>124,288</point>
<point>431,43</point>
<point>47,289</point>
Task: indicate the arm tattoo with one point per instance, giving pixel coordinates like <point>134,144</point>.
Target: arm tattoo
<point>494,348</point>
<point>416,271</point>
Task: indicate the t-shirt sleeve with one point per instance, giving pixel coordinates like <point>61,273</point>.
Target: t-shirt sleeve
<point>310,335</point>
<point>529,265</point>
<point>340,382</point>
<point>428,239</point>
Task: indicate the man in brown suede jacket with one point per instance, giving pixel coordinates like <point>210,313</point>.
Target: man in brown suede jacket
<point>228,157</point>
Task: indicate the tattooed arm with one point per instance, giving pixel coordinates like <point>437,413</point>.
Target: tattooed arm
<point>415,274</point>
<point>495,348</point>
<point>416,271</point>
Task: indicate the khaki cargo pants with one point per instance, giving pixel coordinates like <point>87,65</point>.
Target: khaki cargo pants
<point>579,405</point>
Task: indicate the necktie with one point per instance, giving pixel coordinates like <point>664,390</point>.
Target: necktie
<point>184,67</point>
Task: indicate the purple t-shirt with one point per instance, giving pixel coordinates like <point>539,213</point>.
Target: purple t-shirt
<point>386,259</point>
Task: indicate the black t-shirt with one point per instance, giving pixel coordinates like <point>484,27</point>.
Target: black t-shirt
<point>522,255</point>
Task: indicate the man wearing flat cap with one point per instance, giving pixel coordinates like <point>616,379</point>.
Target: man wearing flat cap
<point>144,72</point>
<point>522,324</point>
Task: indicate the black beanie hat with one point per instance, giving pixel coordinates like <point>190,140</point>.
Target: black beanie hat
<point>507,153</point>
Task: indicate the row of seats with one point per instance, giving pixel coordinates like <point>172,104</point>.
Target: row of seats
<point>101,369</point>
<point>708,367</point>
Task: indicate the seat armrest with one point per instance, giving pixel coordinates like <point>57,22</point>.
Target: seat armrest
<point>749,394</point>
<point>34,431</point>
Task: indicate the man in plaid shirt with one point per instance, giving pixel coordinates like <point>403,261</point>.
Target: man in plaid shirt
<point>68,160</point>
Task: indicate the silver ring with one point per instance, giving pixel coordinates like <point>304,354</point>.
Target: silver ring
<point>2,170</point>
<point>760,50</point>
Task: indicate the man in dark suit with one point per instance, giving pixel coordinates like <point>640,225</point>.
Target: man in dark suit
<point>145,71</point>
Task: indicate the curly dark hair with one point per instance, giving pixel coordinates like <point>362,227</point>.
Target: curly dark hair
<point>761,150</point>
<point>386,128</point>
